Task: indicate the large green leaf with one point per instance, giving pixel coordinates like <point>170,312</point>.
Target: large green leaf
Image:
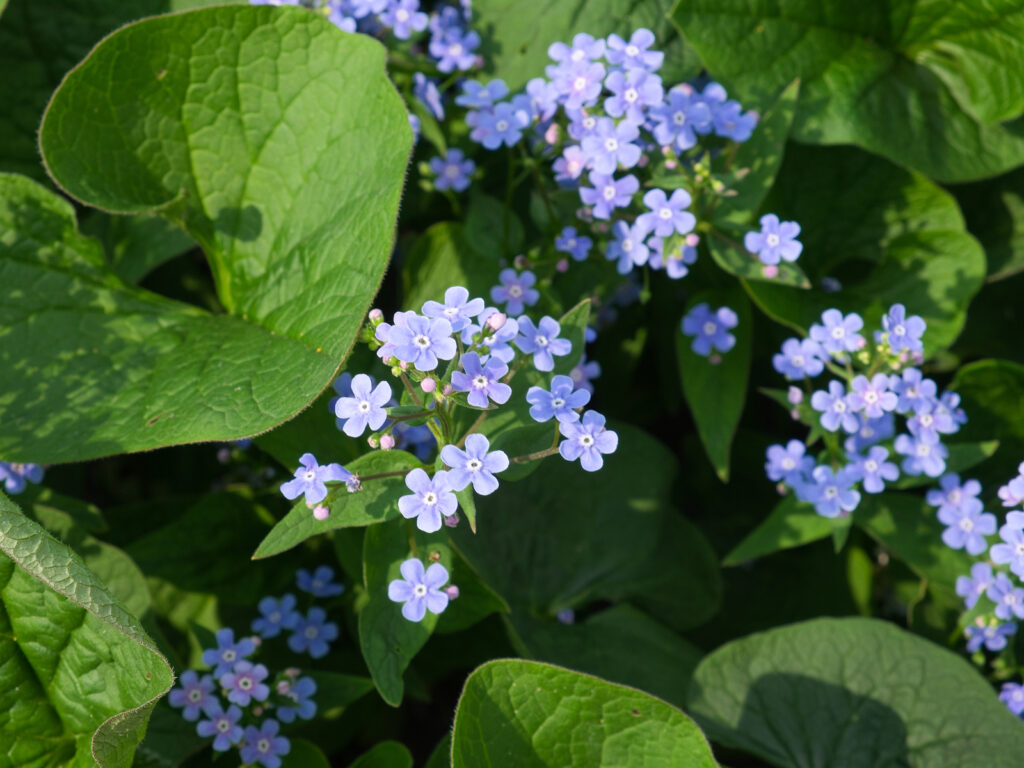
<point>994,210</point>
<point>790,524</point>
<point>887,234</point>
<point>836,693</point>
<point>79,675</point>
<point>993,398</point>
<point>717,392</point>
<point>526,714</point>
<point>248,125</point>
<point>921,83</point>
<point>515,44</point>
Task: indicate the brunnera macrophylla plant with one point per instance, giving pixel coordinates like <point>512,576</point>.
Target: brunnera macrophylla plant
<point>504,456</point>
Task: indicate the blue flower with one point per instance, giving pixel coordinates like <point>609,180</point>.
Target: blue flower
<point>799,359</point>
<point>632,92</point>
<point>1012,695</point>
<point>610,146</point>
<point>245,683</point>
<point>310,479</point>
<point>579,82</point>
<point>1012,494</point>
<point>543,98</point>
<point>993,636</point>
<point>497,342</point>
<point>903,332</point>
<point>668,215</point>
<point>313,634</point>
<point>479,96</point>
<point>319,583</point>
<point>870,432</point>
<point>874,470</point>
<point>542,341</point>
<point>915,391</point>
<point>454,49</point>
<point>560,402</point>
<point>419,438</point>
<point>419,590</point>
<point>776,240</point>
<point>872,396</point>
<point>223,726</point>
<point>970,588</point>
<point>586,440</point>
<point>922,457</point>
<point>366,406</point>
<point>838,334</point>
<point>608,193</point>
<point>1012,549</point>
<point>276,614</point>
<point>227,653</point>
<point>584,372</point>
<point>726,115</point>
<point>790,464</point>
<point>474,465</point>
<point>362,8</point>
<point>710,330</point>
<point>968,527</point>
<point>929,421</point>
<point>577,246</point>
<point>501,124</point>
<point>430,498</point>
<point>16,476</point>
<point>830,492</point>
<point>835,408</point>
<point>404,17</point>
<point>453,171</point>
<point>482,381</point>
<point>628,248</point>
<point>423,341</point>
<point>634,54</point>
<point>680,120</point>
<point>953,495</point>
<point>425,90</point>
<point>516,290</point>
<point>339,13</point>
<point>1009,599</point>
<point>263,745</point>
<point>195,695</point>
<point>584,48</point>
<point>300,693</point>
<point>675,262</point>
<point>458,309</point>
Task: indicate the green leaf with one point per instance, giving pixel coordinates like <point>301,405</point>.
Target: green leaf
<point>993,398</point>
<point>237,100</point>
<point>515,44</point>
<point>573,326</point>
<point>909,529</point>
<point>136,245</point>
<point>441,257</point>
<point>526,714</point>
<point>476,599</point>
<point>303,754</point>
<point>962,456</point>
<point>791,524</point>
<point>80,675</point>
<point>994,209</point>
<point>492,229</point>
<point>756,162</point>
<point>717,392</point>
<point>837,693</point>
<point>726,248</point>
<point>887,234</point>
<point>925,85</point>
<point>387,754</point>
<point>375,503</point>
<point>441,757</point>
<point>335,691</point>
<point>387,639</point>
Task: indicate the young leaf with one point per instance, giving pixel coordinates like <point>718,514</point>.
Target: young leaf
<point>263,116</point>
<point>523,713</point>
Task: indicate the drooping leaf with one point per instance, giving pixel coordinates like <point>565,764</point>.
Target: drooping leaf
<point>263,117</point>
<point>834,693</point>
<point>716,393</point>
<point>922,84</point>
<point>80,675</point>
<point>887,234</point>
<point>527,714</point>
<point>790,524</point>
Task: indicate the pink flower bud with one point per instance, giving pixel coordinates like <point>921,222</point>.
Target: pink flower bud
<point>428,385</point>
<point>693,240</point>
<point>452,591</point>
<point>520,262</point>
<point>283,686</point>
<point>496,321</point>
<point>671,165</point>
<point>293,671</point>
<point>794,415</point>
<point>452,520</point>
<point>795,395</point>
<point>770,271</point>
<point>321,512</point>
<point>447,390</point>
<point>387,442</point>
<point>643,161</point>
<point>715,359</point>
<point>376,316</point>
<point>404,366</point>
<point>373,441</point>
<point>562,265</point>
<point>551,134</point>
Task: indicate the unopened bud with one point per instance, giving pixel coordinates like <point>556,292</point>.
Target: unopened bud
<point>671,165</point>
<point>520,262</point>
<point>643,161</point>
<point>402,365</point>
<point>292,672</point>
<point>447,390</point>
<point>428,385</point>
<point>600,226</point>
<point>692,240</point>
<point>795,395</point>
<point>376,316</point>
<point>434,557</point>
<point>496,321</point>
<point>770,271</point>
<point>562,266</point>
<point>258,711</point>
<point>224,455</point>
<point>283,687</point>
<point>715,359</point>
<point>452,520</point>
<point>452,591</point>
<point>566,616</point>
<point>794,415</point>
<point>387,442</point>
<point>551,134</point>
<point>321,512</point>
<point>373,441</point>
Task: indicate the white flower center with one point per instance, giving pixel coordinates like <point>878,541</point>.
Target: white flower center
<point>245,683</point>
<point>611,145</point>
<point>480,382</point>
<point>665,213</point>
<point>838,332</point>
<point>430,498</point>
<point>871,465</point>
<point>540,341</point>
<point>772,240</point>
<point>631,95</point>
<point>455,49</point>
<point>502,126</point>
<point>632,50</point>
<point>228,656</point>
<point>275,617</point>
<point>586,441</point>
<point>589,122</point>
<point>911,392</point>
<point>798,361</point>
<point>788,463</point>
<point>577,55</point>
<point>609,192</point>
<point>831,492</point>
<point>421,341</point>
<point>420,590</point>
<point>967,525</point>
<point>954,496</point>
<point>923,449</point>
<point>709,328</point>
<point>474,464</point>
<point>627,244</point>
<point>195,694</point>
<point>310,633</point>
<point>579,83</point>
<point>839,406</point>
<point>558,402</point>
<point>899,330</point>
<point>310,475</point>
<point>364,406</point>
<point>515,291</point>
<point>871,397</point>
<point>452,171</point>
<point>571,245</point>
<point>926,419</point>
<point>223,725</point>
<point>679,118</point>
<point>263,745</point>
<point>402,15</point>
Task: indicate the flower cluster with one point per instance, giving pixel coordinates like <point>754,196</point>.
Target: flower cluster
<point>16,477</point>
<point>231,702</point>
<point>856,414</point>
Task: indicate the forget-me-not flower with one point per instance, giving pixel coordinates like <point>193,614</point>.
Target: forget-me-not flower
<point>838,334</point>
<point>481,380</point>
<point>559,402</point>
<point>667,215</point>
<point>423,341</point>
<point>300,692</point>
<point>788,464</point>
<point>453,171</point>
<point>319,583</point>
<point>970,588</point>
<point>430,499</point>
<point>365,408</point>
<point>263,745</point>
<point>542,341</point>
<point>227,653</point>
<point>799,359</point>
<point>516,290</point>
<point>458,309</point>
<point>586,440</point>
<point>245,682</point>
<point>275,614</point>
<point>776,241</point>
<point>477,464</point>
<point>313,634</point>
<point>223,726</point>
<point>710,330</point>
<point>419,590</point>
<point>195,695</point>
<point>311,478</point>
